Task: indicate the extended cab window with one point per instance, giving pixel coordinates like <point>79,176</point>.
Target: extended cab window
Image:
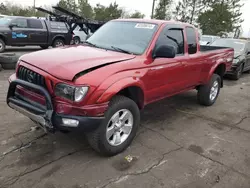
<point>20,22</point>
<point>173,37</point>
<point>36,24</point>
<point>191,40</point>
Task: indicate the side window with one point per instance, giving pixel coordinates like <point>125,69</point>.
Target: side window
<point>58,25</point>
<point>191,40</point>
<point>173,37</point>
<point>36,24</point>
<point>20,22</point>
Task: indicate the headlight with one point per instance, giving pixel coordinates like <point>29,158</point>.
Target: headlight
<point>71,92</point>
<point>80,92</point>
<point>235,61</point>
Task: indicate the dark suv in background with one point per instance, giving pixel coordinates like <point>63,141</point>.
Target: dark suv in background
<point>241,61</point>
<point>22,31</point>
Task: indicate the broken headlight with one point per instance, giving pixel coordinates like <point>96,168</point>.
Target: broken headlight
<point>72,93</point>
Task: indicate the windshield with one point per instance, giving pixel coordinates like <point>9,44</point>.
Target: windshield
<point>207,39</point>
<point>128,36</point>
<point>4,21</point>
<point>237,45</point>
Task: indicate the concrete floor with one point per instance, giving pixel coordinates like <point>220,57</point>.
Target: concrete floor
<point>180,144</point>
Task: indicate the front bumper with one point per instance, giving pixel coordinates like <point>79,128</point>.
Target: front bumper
<point>46,116</point>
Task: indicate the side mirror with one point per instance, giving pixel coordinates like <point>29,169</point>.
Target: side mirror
<point>12,25</point>
<point>164,51</point>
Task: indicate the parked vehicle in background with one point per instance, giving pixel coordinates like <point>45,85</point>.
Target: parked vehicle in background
<point>208,39</point>
<point>241,62</point>
<point>79,35</point>
<point>22,31</point>
<point>101,86</point>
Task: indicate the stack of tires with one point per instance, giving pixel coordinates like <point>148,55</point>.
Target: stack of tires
<point>8,60</point>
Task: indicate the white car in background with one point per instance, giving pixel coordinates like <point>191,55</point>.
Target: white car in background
<point>208,39</point>
<point>79,35</point>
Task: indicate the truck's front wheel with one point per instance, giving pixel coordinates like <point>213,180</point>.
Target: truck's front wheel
<point>119,128</point>
<point>207,94</point>
<point>2,46</point>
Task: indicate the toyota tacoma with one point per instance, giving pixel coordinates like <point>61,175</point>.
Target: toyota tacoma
<point>100,86</point>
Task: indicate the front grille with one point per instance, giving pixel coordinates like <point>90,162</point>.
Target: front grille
<point>30,76</point>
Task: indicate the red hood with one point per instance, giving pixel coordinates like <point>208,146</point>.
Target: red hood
<point>66,62</point>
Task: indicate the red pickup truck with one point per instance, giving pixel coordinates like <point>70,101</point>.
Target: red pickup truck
<point>100,87</point>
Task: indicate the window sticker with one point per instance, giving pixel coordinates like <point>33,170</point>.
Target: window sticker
<point>144,26</point>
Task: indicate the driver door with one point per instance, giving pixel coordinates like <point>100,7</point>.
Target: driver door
<point>19,32</point>
<point>166,76</point>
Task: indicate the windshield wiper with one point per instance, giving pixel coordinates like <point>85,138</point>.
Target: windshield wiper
<point>121,50</point>
<point>91,44</point>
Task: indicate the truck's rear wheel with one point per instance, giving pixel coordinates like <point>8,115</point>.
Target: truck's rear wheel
<point>2,46</point>
<point>58,42</point>
<point>207,94</point>
<point>119,128</point>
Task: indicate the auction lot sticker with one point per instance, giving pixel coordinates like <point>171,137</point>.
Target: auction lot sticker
<point>144,26</point>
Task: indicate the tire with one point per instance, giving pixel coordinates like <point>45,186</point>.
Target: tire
<point>8,61</point>
<point>76,40</point>
<point>98,139</point>
<point>238,73</point>
<point>2,46</point>
<point>44,46</point>
<point>204,93</point>
<point>58,42</point>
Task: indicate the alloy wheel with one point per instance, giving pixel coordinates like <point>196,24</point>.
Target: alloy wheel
<point>119,127</point>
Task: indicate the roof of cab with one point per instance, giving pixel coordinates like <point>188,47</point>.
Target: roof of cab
<point>154,21</point>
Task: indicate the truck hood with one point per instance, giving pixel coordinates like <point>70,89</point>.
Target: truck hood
<point>65,62</point>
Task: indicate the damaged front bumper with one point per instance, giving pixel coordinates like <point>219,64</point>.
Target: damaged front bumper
<point>45,116</point>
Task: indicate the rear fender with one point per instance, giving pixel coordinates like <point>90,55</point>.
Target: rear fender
<point>56,37</point>
<point>118,86</point>
<point>213,69</point>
